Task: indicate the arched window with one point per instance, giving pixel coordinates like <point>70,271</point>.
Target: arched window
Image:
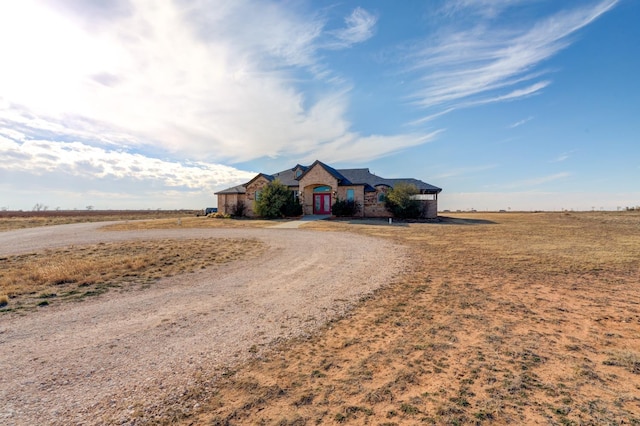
<point>324,188</point>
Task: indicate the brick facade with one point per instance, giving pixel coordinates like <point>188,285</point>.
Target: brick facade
<point>369,190</point>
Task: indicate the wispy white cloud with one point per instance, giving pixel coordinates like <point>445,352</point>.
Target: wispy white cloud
<point>217,82</point>
<point>482,8</point>
<point>78,160</point>
<point>431,117</point>
<point>520,123</point>
<point>353,147</point>
<point>477,65</point>
<point>359,27</point>
<point>562,157</point>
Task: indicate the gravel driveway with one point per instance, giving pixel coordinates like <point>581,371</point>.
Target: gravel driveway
<point>124,355</point>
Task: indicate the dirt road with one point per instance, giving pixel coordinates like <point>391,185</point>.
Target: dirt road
<point>122,357</point>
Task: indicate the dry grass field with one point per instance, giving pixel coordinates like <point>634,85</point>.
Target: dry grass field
<point>189,222</point>
<point>502,319</point>
<point>10,220</point>
<point>73,273</point>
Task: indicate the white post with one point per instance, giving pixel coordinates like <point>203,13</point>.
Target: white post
<point>390,220</point>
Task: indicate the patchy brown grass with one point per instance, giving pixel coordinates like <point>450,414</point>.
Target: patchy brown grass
<point>73,273</point>
<point>190,222</point>
<point>11,220</point>
<point>131,220</point>
<point>501,319</point>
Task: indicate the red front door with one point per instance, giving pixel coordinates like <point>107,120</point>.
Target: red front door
<point>321,203</point>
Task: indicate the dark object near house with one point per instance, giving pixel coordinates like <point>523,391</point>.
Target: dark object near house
<point>210,210</point>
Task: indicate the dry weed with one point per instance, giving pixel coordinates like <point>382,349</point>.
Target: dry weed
<point>501,318</point>
<point>76,272</point>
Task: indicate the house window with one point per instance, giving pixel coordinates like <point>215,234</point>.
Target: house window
<point>381,197</point>
<point>351,195</point>
<point>322,189</point>
<point>258,195</point>
<point>296,195</point>
<point>298,173</point>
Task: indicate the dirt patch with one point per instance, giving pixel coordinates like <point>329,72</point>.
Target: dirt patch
<point>153,355</point>
<point>522,319</point>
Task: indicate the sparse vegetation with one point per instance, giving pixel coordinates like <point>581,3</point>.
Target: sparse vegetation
<point>10,220</point>
<point>515,318</point>
<point>519,318</point>
<point>73,273</point>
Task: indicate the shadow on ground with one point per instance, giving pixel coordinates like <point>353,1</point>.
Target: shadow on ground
<point>440,220</point>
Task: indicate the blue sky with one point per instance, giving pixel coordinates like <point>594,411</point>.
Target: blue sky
<point>505,104</point>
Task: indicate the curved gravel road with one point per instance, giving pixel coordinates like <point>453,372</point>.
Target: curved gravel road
<point>126,357</point>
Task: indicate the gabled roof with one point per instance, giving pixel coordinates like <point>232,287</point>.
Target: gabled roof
<point>344,177</point>
<point>364,176</point>
<point>333,172</point>
<point>287,177</point>
<point>424,187</point>
<point>239,189</point>
<point>270,178</point>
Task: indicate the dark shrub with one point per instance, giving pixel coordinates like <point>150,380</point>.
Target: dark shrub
<point>239,209</point>
<point>345,208</point>
<point>292,207</point>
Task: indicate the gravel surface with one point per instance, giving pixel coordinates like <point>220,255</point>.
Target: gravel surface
<point>127,357</point>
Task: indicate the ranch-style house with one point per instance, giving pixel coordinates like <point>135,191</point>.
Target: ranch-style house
<point>318,186</point>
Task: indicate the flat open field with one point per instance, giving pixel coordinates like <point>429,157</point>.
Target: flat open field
<point>497,318</point>
<point>500,319</point>
<point>28,219</point>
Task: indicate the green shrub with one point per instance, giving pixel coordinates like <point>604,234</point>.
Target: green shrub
<point>399,201</point>
<point>277,200</point>
<point>345,208</point>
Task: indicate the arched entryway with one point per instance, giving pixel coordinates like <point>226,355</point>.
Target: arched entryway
<point>322,200</point>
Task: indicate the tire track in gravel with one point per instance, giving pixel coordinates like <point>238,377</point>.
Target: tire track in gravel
<point>123,355</point>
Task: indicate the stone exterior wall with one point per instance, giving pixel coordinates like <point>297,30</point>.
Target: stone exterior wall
<point>358,195</point>
<point>317,176</point>
<point>254,186</point>
<point>374,208</point>
<point>226,202</point>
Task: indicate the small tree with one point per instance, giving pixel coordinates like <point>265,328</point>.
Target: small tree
<point>276,200</point>
<point>399,201</point>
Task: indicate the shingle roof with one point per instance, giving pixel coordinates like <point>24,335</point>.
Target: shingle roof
<point>364,176</point>
<point>286,177</point>
<point>344,177</point>
<point>333,172</point>
<point>240,189</point>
